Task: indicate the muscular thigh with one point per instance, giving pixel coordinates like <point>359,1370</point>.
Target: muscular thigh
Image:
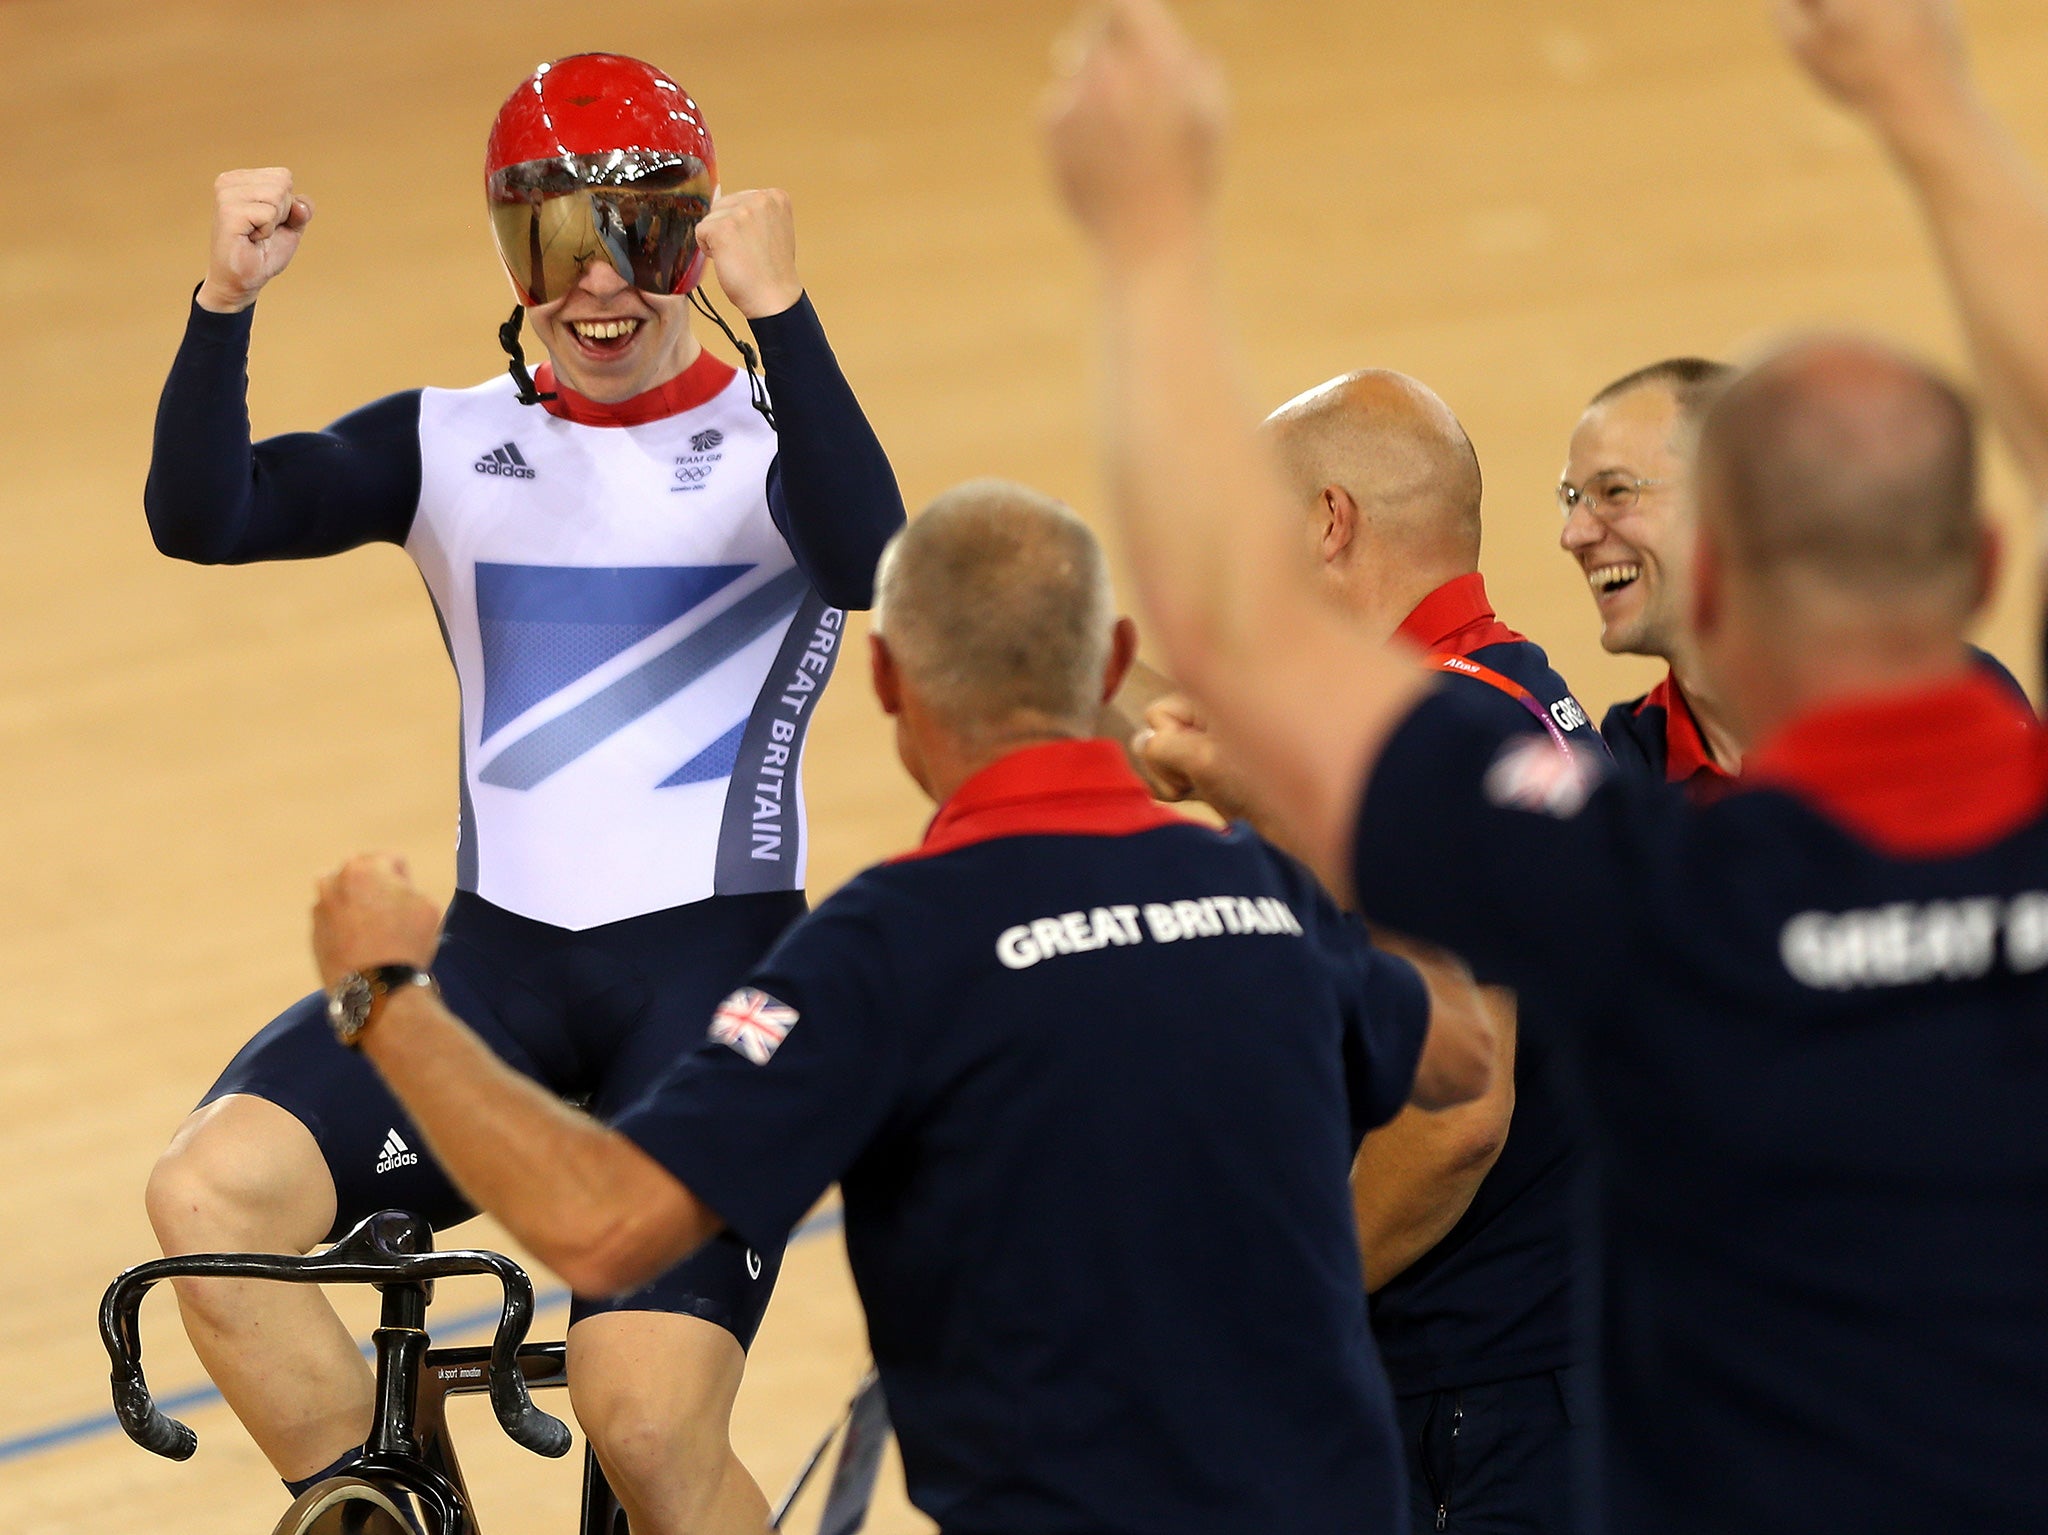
<point>598,1016</point>
<point>375,1154</point>
<point>686,974</point>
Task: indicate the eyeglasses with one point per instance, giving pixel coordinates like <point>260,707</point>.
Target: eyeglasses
<point>1605,495</point>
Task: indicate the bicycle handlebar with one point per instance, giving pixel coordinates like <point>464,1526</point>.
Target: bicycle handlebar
<point>375,1252</point>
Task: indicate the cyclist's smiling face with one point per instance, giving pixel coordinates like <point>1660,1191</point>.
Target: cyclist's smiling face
<point>1633,545</point>
<point>609,341</point>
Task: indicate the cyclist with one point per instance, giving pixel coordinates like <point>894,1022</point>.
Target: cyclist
<point>639,570</point>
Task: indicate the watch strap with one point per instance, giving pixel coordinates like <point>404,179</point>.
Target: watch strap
<point>385,979</point>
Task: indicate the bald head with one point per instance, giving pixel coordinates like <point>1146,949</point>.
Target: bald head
<point>996,605</point>
<point>1398,452</point>
<point>1843,463</point>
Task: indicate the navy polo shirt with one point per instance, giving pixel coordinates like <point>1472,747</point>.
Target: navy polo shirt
<point>1814,1018</point>
<point>1493,1299</point>
<point>1090,1077</point>
<point>1657,733</point>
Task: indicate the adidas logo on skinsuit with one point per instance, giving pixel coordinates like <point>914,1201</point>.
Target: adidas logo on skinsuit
<point>395,1153</point>
<point>506,461</point>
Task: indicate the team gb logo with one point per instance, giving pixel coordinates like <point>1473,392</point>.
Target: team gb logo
<point>694,467</point>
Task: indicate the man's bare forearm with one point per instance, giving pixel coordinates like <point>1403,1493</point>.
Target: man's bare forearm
<point>1202,514</point>
<point>584,1199</point>
<point>1903,66</point>
<point>1415,1178</point>
<point>1987,212</point>
<point>1135,126</point>
<point>1300,698</point>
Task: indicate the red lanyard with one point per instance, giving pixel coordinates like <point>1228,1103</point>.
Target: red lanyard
<point>1463,666</point>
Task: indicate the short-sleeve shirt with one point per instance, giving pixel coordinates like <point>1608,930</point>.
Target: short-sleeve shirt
<point>1814,1027</point>
<point>1494,1298</point>
<point>1091,1077</point>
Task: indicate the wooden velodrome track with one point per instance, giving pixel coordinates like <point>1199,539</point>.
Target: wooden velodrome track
<point>1514,199</point>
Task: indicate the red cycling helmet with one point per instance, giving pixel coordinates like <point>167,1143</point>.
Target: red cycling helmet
<point>599,155</point>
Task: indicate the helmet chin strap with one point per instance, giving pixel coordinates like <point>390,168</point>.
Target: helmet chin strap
<point>757,389</point>
<point>508,338</point>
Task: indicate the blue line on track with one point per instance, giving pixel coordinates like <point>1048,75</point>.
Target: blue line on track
<point>58,1434</point>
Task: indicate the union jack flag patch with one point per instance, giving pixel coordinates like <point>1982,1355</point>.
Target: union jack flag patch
<point>753,1023</point>
<point>1535,773</point>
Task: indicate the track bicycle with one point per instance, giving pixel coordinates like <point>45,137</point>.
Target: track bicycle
<point>409,1481</point>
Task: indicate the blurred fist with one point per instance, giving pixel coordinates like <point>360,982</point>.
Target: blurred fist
<point>257,221</point>
<point>1133,125</point>
<point>1181,759</point>
<point>1883,58</point>
<point>369,913</point>
<point>751,240</point>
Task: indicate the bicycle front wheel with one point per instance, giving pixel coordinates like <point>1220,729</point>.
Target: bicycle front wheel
<point>344,1505</point>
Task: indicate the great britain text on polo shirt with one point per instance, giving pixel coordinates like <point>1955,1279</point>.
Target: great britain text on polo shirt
<point>1103,927</point>
<point>1908,943</point>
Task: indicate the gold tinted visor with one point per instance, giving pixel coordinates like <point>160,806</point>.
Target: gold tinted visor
<point>552,218</point>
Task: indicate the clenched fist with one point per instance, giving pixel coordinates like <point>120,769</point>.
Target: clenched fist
<point>1133,127</point>
<point>257,221</point>
<point>1887,59</point>
<point>370,913</point>
<point>751,240</point>
<point>1180,757</point>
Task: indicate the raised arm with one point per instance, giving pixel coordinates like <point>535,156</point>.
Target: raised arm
<point>831,490</point>
<point>582,1198</point>
<point>1901,66</point>
<point>215,497</point>
<point>1133,132</point>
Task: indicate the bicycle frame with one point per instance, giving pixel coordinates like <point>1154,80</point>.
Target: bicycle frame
<point>464,1372</point>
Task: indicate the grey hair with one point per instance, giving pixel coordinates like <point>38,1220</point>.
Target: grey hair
<point>1852,461</point>
<point>996,604</point>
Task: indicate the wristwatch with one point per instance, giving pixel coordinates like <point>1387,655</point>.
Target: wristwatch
<point>352,1000</point>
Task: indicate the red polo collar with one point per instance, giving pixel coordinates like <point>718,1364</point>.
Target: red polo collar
<point>1930,773</point>
<point>1685,749</point>
<point>1456,619</point>
<point>1063,788</point>
<point>699,382</point>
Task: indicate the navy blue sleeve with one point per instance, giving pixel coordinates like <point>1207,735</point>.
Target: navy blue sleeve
<point>1633,746</point>
<point>830,490</point>
<point>798,1071</point>
<point>1386,1024</point>
<point>215,498</point>
<point>1511,854</point>
<point>1384,1003</point>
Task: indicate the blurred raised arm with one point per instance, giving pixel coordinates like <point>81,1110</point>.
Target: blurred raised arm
<point>1901,66</point>
<point>1134,126</point>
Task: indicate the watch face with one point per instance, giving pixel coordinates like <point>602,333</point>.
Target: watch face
<point>348,1006</point>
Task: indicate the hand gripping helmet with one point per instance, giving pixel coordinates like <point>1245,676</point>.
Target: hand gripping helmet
<point>599,155</point>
